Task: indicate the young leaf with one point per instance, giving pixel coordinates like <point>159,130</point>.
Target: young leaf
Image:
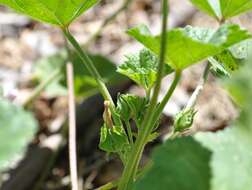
<point>56,12</point>
<point>17,129</point>
<point>131,107</point>
<point>187,46</point>
<point>181,164</point>
<point>113,139</point>
<point>223,9</point>
<point>142,68</point>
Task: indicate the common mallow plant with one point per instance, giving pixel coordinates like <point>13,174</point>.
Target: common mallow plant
<point>181,163</point>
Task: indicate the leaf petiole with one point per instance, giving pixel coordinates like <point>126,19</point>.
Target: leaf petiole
<point>90,66</point>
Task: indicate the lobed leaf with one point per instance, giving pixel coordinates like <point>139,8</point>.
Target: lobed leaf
<point>131,107</point>
<point>223,9</point>
<point>181,164</point>
<point>56,12</point>
<point>17,129</point>
<point>113,139</point>
<point>142,68</point>
<point>187,46</point>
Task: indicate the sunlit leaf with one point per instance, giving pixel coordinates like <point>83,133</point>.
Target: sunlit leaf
<point>142,68</point>
<point>17,129</point>
<point>211,7</point>
<point>234,7</point>
<point>223,9</point>
<point>187,46</point>
<point>57,12</point>
<point>181,164</point>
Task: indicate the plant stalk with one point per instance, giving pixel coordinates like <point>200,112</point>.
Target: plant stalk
<point>131,167</point>
<point>72,128</point>
<point>89,65</point>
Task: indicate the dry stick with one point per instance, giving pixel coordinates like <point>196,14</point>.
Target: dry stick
<point>72,128</point>
<point>194,97</point>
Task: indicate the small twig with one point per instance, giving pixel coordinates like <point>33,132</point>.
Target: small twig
<point>72,128</point>
<point>110,18</point>
<point>36,92</point>
<point>194,97</point>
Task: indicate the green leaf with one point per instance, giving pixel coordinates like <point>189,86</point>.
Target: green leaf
<point>17,129</point>
<point>181,164</point>
<point>223,9</point>
<point>232,158</point>
<point>240,88</point>
<point>142,68</point>
<point>56,12</point>
<point>234,7</point>
<point>218,68</point>
<point>231,59</point>
<point>85,84</point>
<point>187,46</point>
<point>226,63</point>
<point>211,7</point>
<point>131,107</point>
<point>113,140</point>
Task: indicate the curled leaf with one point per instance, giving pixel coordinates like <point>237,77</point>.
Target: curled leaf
<point>142,68</point>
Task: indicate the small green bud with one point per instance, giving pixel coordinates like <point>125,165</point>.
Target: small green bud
<point>184,120</point>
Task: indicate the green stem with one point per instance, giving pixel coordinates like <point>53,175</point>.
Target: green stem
<point>131,167</point>
<point>166,98</point>
<point>135,156</point>
<point>129,131</point>
<point>89,65</point>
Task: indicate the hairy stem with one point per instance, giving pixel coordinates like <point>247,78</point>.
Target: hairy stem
<point>131,167</point>
<point>90,66</point>
<point>129,132</point>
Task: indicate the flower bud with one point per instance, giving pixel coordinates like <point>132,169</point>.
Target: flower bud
<point>184,120</point>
